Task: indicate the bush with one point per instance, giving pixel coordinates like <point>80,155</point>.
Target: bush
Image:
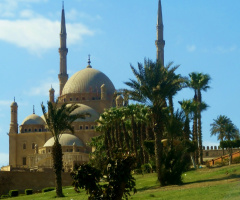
<point>4,196</point>
<point>236,160</point>
<point>48,189</point>
<point>146,168</point>
<point>117,176</point>
<point>13,193</point>
<point>28,191</point>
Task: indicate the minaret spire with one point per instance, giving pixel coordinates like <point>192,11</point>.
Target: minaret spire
<point>63,76</point>
<point>160,43</point>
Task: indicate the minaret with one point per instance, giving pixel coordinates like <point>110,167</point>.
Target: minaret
<point>51,95</point>
<point>160,43</point>
<point>63,76</point>
<point>14,115</point>
<point>13,133</point>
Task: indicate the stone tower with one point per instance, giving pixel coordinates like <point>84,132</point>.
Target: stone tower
<point>51,95</point>
<point>13,133</point>
<point>63,76</point>
<point>160,43</point>
<point>14,115</point>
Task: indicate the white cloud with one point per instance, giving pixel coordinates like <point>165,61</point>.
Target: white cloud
<point>5,102</point>
<point>39,34</point>
<point>221,49</point>
<point>191,48</point>
<point>4,159</point>
<point>8,7</point>
<point>74,14</point>
<point>43,89</point>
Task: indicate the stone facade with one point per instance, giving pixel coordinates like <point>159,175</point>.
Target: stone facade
<point>89,88</point>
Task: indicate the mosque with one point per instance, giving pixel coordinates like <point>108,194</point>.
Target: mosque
<point>30,142</point>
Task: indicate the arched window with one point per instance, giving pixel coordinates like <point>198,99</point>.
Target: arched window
<point>29,130</point>
<point>40,130</point>
<point>70,99</point>
<point>35,130</point>
<point>92,127</point>
<point>81,127</point>
<point>86,127</point>
<point>24,146</point>
<point>25,130</point>
<point>24,160</point>
<point>33,145</point>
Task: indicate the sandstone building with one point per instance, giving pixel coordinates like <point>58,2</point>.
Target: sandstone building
<point>30,142</point>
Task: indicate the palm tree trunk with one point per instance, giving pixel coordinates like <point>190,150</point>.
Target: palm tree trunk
<point>195,133</point>
<point>143,138</point>
<point>126,136</point>
<point>200,127</point>
<point>134,135</point>
<point>158,134</point>
<point>57,166</point>
<point>170,101</point>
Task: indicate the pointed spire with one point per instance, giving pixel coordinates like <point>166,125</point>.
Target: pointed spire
<point>63,25</point>
<point>14,99</point>
<point>159,20</point>
<point>63,50</point>
<point>89,62</point>
<point>33,110</point>
<point>160,43</point>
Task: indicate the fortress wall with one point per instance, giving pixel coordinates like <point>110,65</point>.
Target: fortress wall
<point>30,180</point>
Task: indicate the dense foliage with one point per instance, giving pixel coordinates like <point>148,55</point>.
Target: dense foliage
<point>117,180</point>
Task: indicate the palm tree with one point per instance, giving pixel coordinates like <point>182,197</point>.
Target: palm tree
<point>199,82</point>
<point>153,86</point>
<point>218,127</point>
<point>59,120</point>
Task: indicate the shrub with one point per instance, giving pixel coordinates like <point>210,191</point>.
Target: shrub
<point>117,176</point>
<point>146,168</point>
<point>28,191</point>
<point>236,160</point>
<point>4,196</point>
<point>13,193</point>
<point>48,189</point>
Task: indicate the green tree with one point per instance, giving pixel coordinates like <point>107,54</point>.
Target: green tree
<point>199,82</point>
<point>226,131</point>
<point>218,127</point>
<point>59,120</point>
<point>153,85</point>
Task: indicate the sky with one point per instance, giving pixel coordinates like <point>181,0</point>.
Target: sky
<point>200,36</point>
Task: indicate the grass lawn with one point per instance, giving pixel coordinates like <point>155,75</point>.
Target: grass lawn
<point>214,183</point>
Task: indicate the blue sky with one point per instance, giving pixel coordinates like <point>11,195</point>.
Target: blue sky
<point>201,36</point>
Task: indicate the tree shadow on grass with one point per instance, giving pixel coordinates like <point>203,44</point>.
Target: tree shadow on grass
<point>230,176</point>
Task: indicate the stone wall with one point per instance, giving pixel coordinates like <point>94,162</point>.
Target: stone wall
<point>30,180</point>
<point>210,152</point>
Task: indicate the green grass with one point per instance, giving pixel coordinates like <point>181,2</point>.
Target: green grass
<point>214,183</point>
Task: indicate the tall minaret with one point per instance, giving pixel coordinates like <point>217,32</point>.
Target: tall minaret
<point>160,43</point>
<point>63,76</point>
<point>14,116</point>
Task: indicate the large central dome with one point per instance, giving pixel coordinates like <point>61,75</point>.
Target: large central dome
<point>88,80</point>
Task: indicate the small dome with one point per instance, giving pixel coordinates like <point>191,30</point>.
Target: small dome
<point>14,104</point>
<point>88,80</point>
<point>51,90</point>
<point>65,140</point>
<point>86,109</point>
<point>33,119</point>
